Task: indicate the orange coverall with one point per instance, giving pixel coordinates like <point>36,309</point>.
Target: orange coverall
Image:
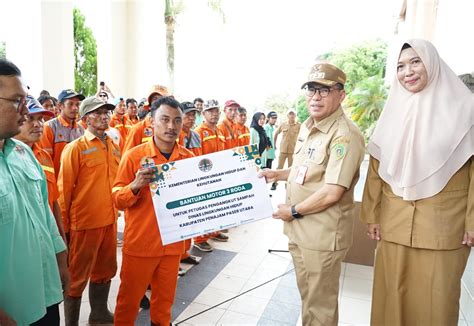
<point>145,259</point>
<point>88,170</point>
<point>140,133</point>
<point>197,151</point>
<point>134,121</point>
<point>57,133</point>
<point>229,130</point>
<point>211,141</point>
<point>122,123</point>
<point>243,135</point>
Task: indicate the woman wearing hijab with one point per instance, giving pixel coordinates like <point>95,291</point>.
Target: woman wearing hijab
<point>259,136</point>
<point>419,194</point>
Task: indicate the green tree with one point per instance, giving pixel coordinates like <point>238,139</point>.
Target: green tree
<point>3,54</point>
<point>85,55</point>
<point>278,103</point>
<point>365,103</point>
<point>301,109</point>
<point>364,64</point>
<point>360,61</point>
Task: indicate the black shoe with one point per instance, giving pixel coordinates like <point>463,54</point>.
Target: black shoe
<point>181,272</point>
<point>191,260</point>
<point>145,303</point>
<point>274,186</point>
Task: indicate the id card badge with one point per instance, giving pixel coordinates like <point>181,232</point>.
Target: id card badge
<point>301,174</point>
<point>149,163</point>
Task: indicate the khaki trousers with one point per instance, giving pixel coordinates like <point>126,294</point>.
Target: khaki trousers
<point>317,276</point>
<point>417,286</point>
<point>282,158</point>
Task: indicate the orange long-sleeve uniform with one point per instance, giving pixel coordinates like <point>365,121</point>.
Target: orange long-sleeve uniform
<point>122,123</point>
<point>47,164</point>
<point>86,177</point>
<point>191,141</point>
<point>145,259</point>
<point>57,133</point>
<point>229,130</point>
<point>88,169</point>
<point>140,133</point>
<point>243,134</point>
<point>211,141</point>
<point>134,120</point>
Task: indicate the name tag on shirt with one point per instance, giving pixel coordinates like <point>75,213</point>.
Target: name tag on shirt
<point>301,174</point>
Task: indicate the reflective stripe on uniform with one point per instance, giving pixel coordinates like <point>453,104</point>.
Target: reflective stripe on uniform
<point>145,139</point>
<point>244,135</point>
<point>47,168</point>
<point>114,189</point>
<point>209,137</point>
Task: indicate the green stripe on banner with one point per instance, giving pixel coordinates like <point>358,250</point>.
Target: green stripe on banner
<point>209,196</point>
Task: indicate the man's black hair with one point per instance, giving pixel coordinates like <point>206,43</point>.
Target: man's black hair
<point>198,99</point>
<point>165,100</point>
<point>241,110</point>
<point>8,68</point>
<point>130,100</point>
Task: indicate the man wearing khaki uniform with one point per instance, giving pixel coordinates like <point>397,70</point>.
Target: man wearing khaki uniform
<point>289,131</point>
<point>318,213</point>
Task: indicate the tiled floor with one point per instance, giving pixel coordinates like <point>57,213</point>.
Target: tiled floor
<point>244,263</point>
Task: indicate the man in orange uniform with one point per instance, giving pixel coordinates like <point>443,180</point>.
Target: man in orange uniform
<point>132,110</point>
<point>191,140</point>
<point>30,134</point>
<point>212,141</point>
<point>119,119</point>
<point>188,138</point>
<point>145,259</point>
<point>88,169</point>
<point>243,132</point>
<point>227,127</point>
<point>60,131</point>
<point>143,131</point>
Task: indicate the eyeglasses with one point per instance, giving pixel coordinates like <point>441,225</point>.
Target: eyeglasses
<point>18,103</point>
<point>322,91</point>
<point>103,95</point>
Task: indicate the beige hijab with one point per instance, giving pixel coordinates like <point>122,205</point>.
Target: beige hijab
<point>422,139</point>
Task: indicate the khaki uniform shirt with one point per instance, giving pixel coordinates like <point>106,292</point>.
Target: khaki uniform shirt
<point>332,150</point>
<point>437,222</point>
<point>289,134</point>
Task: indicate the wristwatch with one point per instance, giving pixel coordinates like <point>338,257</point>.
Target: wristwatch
<point>294,213</point>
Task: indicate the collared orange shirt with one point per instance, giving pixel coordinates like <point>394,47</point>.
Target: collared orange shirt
<point>122,123</point>
<point>57,133</point>
<point>86,177</point>
<point>47,165</point>
<point>229,130</point>
<point>243,134</point>
<point>211,140</point>
<point>134,120</point>
<point>140,133</point>
<point>197,151</point>
<point>142,234</point>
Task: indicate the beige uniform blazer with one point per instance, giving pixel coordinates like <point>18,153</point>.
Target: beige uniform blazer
<point>437,222</point>
<point>331,151</point>
<point>289,134</point>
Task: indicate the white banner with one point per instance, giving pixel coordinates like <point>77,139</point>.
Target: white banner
<point>209,193</point>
